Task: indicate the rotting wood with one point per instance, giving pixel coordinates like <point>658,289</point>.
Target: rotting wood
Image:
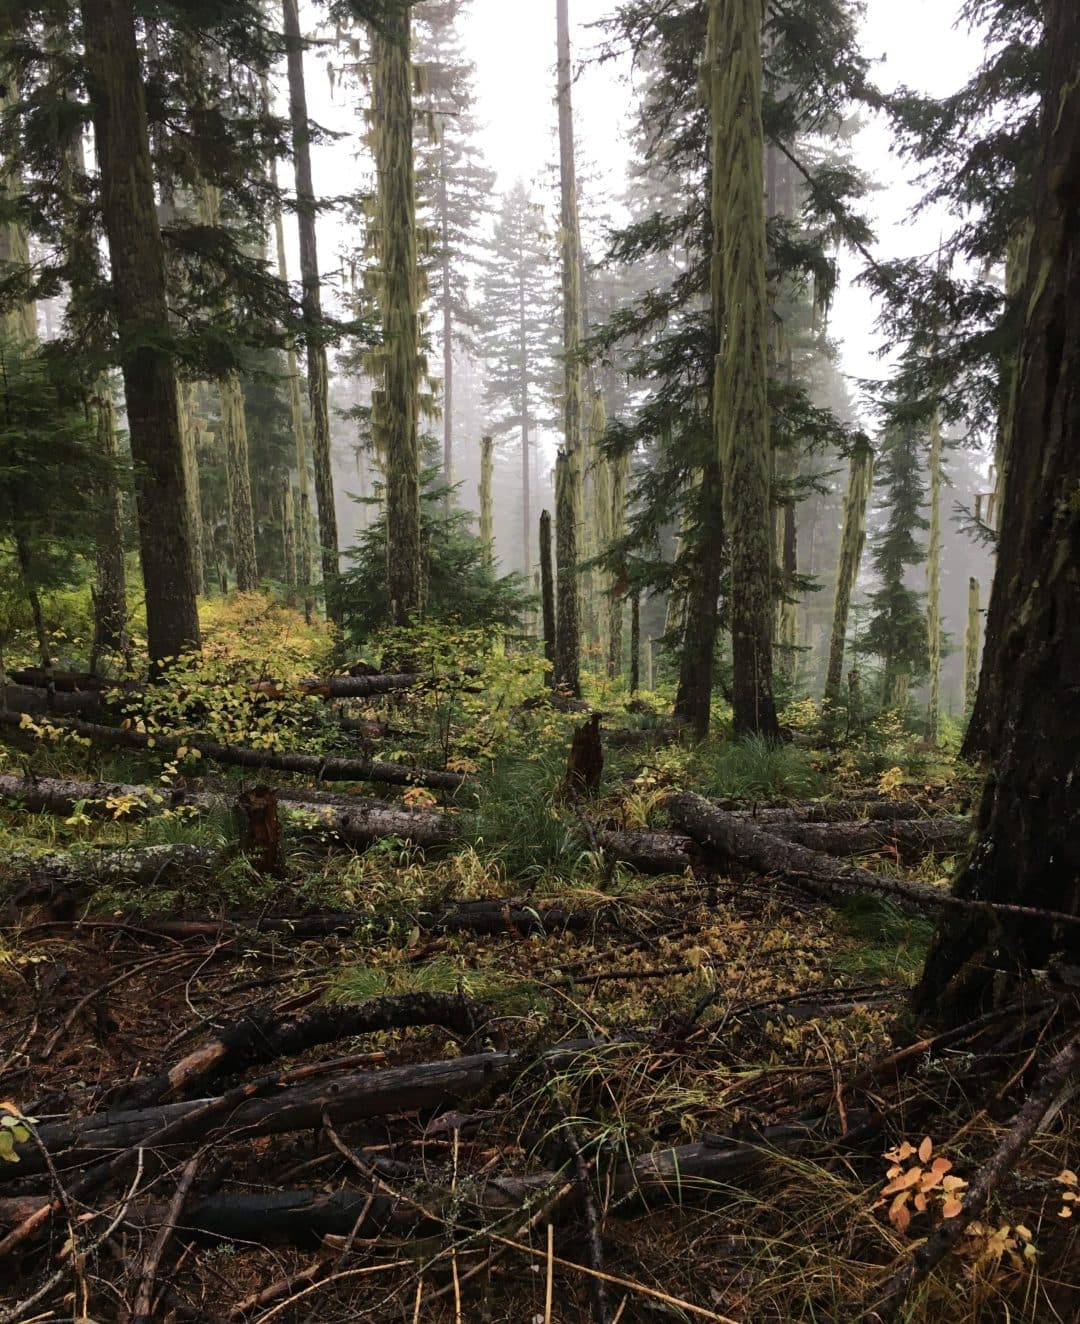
<point>262,1036</point>
<point>261,837</point>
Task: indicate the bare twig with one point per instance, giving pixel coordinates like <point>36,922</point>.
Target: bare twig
<point>142,1310</point>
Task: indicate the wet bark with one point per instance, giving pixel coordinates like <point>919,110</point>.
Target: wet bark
<point>114,81</point>
<point>1028,849</point>
<point>852,540</point>
<point>693,701</point>
<point>547,588</point>
<point>568,636</point>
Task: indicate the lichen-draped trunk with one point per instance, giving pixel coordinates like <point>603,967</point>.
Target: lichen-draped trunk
<point>237,463</point>
<point>933,585</point>
<point>487,501</point>
<point>620,482</point>
<point>971,644</point>
<point>740,404</point>
<point>693,699</point>
<point>397,410</point>
<point>547,589</point>
<point>318,376</point>
<point>117,99</point>
<point>852,541</point>
<point>110,577</point>
<point>190,432</point>
<point>567,639</point>
<point>635,643</point>
<point>302,525</point>
<point>573,384</point>
<point>288,537</point>
<point>1027,850</point>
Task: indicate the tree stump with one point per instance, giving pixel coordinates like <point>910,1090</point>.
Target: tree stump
<point>586,764</point>
<point>260,831</point>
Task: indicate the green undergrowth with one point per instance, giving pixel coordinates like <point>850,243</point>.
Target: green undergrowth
<point>890,943</point>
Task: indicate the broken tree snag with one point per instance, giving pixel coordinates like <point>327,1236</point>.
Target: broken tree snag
<point>262,1037</point>
<point>312,765</point>
<point>586,764</point>
<point>260,831</point>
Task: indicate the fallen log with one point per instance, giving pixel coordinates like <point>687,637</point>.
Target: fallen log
<point>827,811</point>
<point>678,1175</point>
<point>909,839</point>
<point>356,820</point>
<point>344,1099</point>
<point>742,842</point>
<point>311,765</point>
<point>261,1037</point>
<point>30,699</point>
<point>51,876</point>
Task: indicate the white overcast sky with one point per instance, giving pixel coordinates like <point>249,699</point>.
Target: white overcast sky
<point>512,42</point>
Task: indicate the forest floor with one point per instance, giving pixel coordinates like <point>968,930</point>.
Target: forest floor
<point>364,1091</point>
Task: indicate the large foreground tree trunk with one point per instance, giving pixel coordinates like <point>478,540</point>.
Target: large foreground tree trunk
<point>1028,848</point>
<point>739,299</point>
<point>114,81</point>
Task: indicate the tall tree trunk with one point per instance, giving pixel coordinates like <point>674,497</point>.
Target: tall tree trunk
<point>288,537</point>
<point>573,387</point>
<point>852,540</point>
<point>620,484</point>
<point>1028,849</point>
<point>397,411</point>
<point>296,410</point>
<point>599,528</point>
<point>568,642</point>
<point>487,502</point>
<point>318,375</point>
<point>741,396</point>
<point>523,404</point>
<point>117,99</point>
<point>693,699</point>
<point>547,589</point>
<point>635,643</point>
<point>191,433</point>
<point>787,615</point>
<point>110,578</point>
<point>971,645</point>
<point>19,322</point>
<point>33,598</point>
<point>234,437</point>
<point>447,330</point>
<point>933,585</point>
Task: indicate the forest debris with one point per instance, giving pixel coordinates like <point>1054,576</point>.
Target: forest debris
<point>312,765</point>
<point>586,763</point>
<point>262,1037</point>
<point>143,1307</point>
<point>742,842</point>
<point>1027,1122</point>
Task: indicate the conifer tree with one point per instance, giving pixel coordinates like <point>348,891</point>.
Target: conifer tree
<point>396,406</point>
<point>517,339</point>
<point>487,506</point>
<point>1026,836</point>
<point>453,188</point>
<point>740,401</point>
<point>117,98</point>
<point>933,583</point>
<point>897,631</point>
<point>314,332</point>
<point>567,675</point>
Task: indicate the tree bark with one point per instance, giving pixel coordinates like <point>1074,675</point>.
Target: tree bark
<point>1028,849</point>
<point>396,411</point>
<point>701,620</point>
<point>318,376</point>
<point>567,677</point>
<point>110,581</point>
<point>739,297</point>
<point>635,643</point>
<point>547,588</point>
<point>573,386</point>
<point>933,585</point>
<point>117,98</point>
<point>852,541</point>
<point>487,499</point>
<point>972,637</point>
